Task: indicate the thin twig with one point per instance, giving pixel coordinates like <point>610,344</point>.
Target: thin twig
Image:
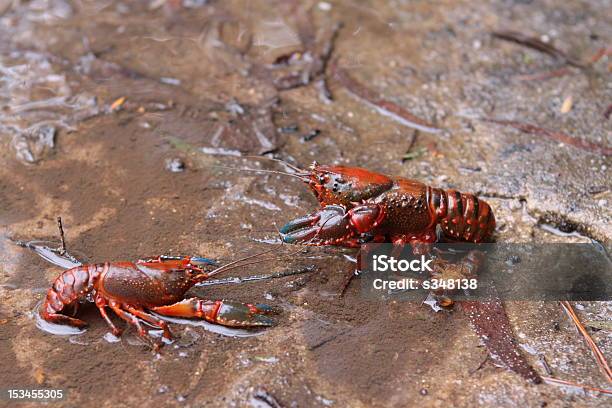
<point>540,76</point>
<point>557,381</point>
<point>536,44</point>
<point>411,155</point>
<point>608,111</point>
<point>482,363</point>
<point>413,140</point>
<point>383,106</point>
<point>266,397</point>
<point>602,52</point>
<point>599,356</point>
<point>545,365</point>
<point>554,135</point>
<point>62,251</point>
<point>310,70</point>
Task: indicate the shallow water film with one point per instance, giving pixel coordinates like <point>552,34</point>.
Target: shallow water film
<point>149,127</point>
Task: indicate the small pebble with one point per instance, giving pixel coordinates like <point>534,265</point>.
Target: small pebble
<point>513,260</point>
<point>567,104</point>
<point>170,81</point>
<point>175,165</point>
<point>194,3</point>
<point>311,135</point>
<point>289,129</point>
<point>324,6</point>
<point>234,108</point>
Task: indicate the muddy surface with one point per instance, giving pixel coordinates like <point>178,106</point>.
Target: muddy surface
<point>110,111</point>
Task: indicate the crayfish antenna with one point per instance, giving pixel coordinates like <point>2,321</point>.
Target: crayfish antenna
<point>284,163</point>
<point>239,262</point>
<point>236,263</point>
<point>304,177</point>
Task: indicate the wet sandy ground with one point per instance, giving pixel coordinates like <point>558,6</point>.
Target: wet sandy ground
<point>202,75</point>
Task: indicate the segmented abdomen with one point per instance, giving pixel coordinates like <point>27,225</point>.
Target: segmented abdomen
<point>71,286</point>
<point>462,216</point>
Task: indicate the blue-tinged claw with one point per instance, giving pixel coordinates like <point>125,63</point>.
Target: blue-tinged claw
<point>236,314</point>
<point>297,230</point>
<point>326,225</point>
<point>303,221</point>
<point>224,312</point>
<point>205,261</point>
<point>265,309</point>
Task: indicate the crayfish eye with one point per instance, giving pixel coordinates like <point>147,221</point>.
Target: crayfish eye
<point>340,180</point>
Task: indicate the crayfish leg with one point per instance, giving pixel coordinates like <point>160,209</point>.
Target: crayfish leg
<point>362,253</point>
<point>75,309</point>
<point>351,273</point>
<point>223,312</point>
<point>58,318</point>
<point>151,319</point>
<point>114,329</point>
<point>101,303</point>
<point>133,320</point>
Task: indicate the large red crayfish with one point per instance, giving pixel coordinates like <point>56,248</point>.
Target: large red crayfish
<point>360,206</point>
<point>134,289</point>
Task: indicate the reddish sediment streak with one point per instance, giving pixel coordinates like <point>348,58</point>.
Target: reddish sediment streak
<point>491,323</point>
<point>554,135</point>
<point>384,107</point>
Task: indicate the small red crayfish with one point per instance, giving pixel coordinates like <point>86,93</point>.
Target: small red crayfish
<point>134,289</point>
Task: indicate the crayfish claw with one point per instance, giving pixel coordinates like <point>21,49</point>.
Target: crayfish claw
<point>300,229</point>
<point>329,224</point>
<point>265,309</point>
<point>236,314</point>
<point>223,312</point>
